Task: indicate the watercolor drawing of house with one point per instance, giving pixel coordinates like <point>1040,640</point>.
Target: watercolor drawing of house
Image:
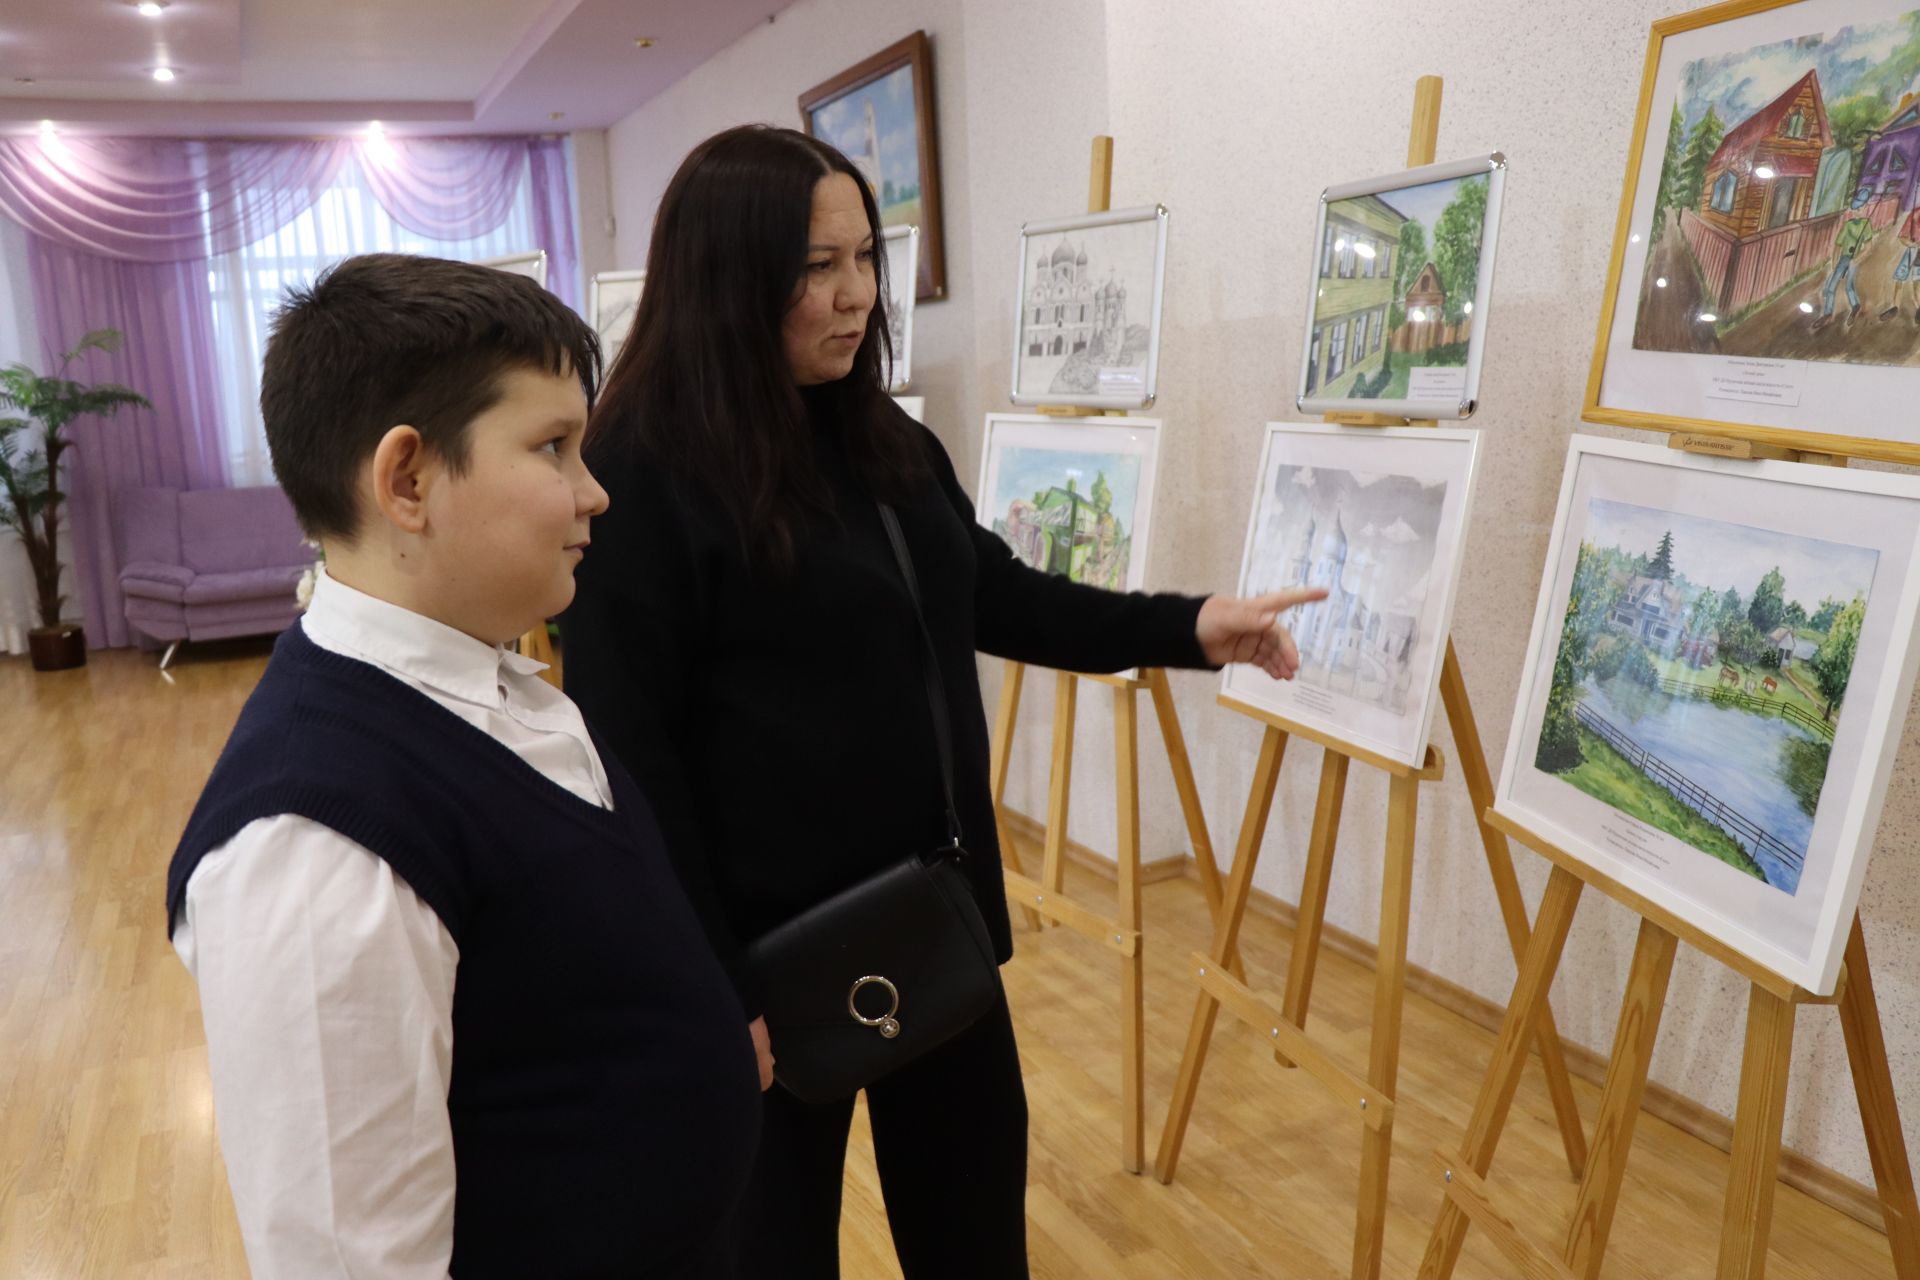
<point>1358,257</point>
<point>1652,610</point>
<point>1762,174</point>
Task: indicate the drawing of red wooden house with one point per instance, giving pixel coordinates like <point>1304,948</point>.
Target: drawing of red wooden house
<point>1762,174</point>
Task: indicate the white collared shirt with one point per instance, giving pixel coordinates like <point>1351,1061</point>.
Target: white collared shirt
<point>326,983</point>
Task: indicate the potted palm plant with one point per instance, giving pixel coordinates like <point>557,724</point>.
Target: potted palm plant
<point>30,448</point>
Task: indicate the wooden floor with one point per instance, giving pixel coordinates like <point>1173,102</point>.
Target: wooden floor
<point>108,1161</point>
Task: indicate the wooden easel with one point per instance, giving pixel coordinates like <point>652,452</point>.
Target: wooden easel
<point>1284,1022</point>
<point>1045,899</point>
<point>1771,1005</point>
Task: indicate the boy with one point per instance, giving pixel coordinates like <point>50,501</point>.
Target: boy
<point>459,1015</point>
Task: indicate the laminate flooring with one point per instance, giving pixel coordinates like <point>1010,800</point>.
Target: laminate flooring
<point>109,1165</point>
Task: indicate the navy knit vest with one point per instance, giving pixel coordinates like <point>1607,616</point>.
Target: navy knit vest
<point>604,1101</point>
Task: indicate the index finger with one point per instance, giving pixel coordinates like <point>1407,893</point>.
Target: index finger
<point>1281,601</point>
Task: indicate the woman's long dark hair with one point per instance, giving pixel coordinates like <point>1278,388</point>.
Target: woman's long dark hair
<point>703,386</point>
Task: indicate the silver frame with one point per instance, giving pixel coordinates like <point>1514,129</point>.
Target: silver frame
<point>1086,221</point>
<point>518,262</point>
<point>901,374</point>
<point>1494,164</point>
<point>593,306</point>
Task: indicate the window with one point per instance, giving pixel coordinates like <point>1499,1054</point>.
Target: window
<point>1326,253</point>
<point>1360,338</point>
<point>1723,193</point>
<point>1313,363</point>
<point>248,284</point>
<point>1796,124</point>
<point>1346,257</point>
<point>1337,350</point>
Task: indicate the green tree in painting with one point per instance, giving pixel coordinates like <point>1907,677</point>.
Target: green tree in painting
<point>1559,748</point>
<point>1823,617</point>
<point>1833,660</point>
<point>1662,566</point>
<point>1851,119</point>
<point>1768,610</point>
<point>1732,610</point>
<point>1796,615</point>
<point>1456,245</point>
<point>1411,255</point>
<point>1669,193</point>
<point>1102,493</point>
<point>1701,144</point>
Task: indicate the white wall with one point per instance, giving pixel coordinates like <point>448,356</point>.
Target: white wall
<point>1235,113</point>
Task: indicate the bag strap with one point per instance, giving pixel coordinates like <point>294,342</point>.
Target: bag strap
<point>929,668</point>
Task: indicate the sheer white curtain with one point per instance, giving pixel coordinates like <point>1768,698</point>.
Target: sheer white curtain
<point>248,286</point>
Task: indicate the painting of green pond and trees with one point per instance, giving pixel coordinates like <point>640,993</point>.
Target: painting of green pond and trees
<point>1701,672</point>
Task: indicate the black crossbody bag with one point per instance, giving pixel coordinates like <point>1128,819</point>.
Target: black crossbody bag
<point>877,975</point>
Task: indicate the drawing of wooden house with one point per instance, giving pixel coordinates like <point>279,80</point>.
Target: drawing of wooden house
<point>1784,642</point>
<point>1650,609</point>
<point>1762,174</point>
<point>1892,155</point>
<point>1358,258</point>
<point>1426,311</point>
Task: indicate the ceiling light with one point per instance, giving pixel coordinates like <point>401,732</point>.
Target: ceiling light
<point>556,115</point>
<point>644,42</point>
<point>46,129</point>
<point>375,128</point>
<point>23,79</point>
<point>151,8</point>
<point>163,74</point>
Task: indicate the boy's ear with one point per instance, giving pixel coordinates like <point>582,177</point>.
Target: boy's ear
<point>400,467</point>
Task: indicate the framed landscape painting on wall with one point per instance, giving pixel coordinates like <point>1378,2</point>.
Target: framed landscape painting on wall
<point>1088,327</point>
<point>901,247</point>
<point>1403,269</point>
<point>613,299</point>
<point>1765,278</point>
<point>879,114</point>
<point>1721,658</point>
<point>1070,496</point>
<point>1378,519</point>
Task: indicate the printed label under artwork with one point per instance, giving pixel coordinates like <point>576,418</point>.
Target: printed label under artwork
<point>1437,383</point>
<point>1775,382</point>
<point>1122,380</point>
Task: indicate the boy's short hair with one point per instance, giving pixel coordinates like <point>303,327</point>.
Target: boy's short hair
<point>383,339</point>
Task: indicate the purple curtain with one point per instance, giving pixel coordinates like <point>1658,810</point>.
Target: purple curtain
<point>123,229</point>
<point>553,218</point>
<point>161,199</point>
<point>165,309</point>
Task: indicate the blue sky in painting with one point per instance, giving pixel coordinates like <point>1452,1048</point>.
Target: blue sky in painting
<point>1025,472</point>
<point>843,123</point>
<point>1722,554</point>
<point>1739,84</point>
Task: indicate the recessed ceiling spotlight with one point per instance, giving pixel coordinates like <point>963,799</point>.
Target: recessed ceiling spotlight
<point>46,129</point>
<point>556,115</point>
<point>644,42</point>
<point>163,74</point>
<point>151,8</point>
<point>23,79</point>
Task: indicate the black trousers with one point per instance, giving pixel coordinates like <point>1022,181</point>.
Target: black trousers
<point>950,1142</point>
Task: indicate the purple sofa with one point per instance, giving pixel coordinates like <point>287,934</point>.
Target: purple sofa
<point>208,563</point>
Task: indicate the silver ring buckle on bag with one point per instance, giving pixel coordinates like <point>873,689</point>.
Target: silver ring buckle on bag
<point>887,1024</point>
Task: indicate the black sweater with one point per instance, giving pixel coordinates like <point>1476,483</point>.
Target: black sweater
<point>780,727</point>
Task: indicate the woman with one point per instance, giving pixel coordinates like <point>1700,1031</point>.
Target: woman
<point>744,640</point>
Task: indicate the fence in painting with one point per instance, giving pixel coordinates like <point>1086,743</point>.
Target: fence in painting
<point>1743,270</point>
<point>1748,834</point>
<point>1749,702</point>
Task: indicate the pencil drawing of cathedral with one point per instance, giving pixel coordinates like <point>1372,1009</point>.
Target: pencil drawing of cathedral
<point>1369,539</point>
<point>1085,303</point>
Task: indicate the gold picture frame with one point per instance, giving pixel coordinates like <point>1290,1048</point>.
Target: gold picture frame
<point>1836,422</point>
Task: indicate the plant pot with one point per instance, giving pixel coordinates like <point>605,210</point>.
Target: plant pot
<point>58,648</point>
